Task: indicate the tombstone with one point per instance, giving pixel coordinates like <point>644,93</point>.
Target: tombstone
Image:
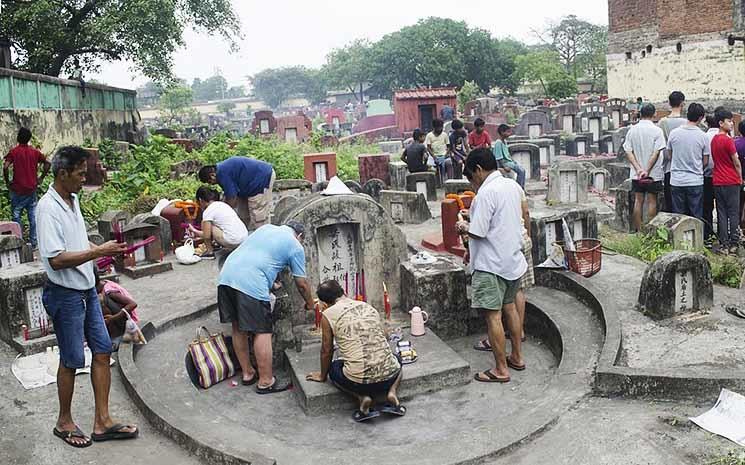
<point>618,112</point>
<point>593,120</point>
<point>123,148</point>
<point>185,168</point>
<point>546,227</point>
<point>95,174</point>
<point>515,139</point>
<point>566,117</point>
<point>544,149</point>
<point>393,147</point>
<point>683,232</point>
<point>405,207</point>
<point>567,183</point>
<point>440,290</point>
<point>21,287</point>
<point>398,171</point>
<point>424,183</point>
<point>619,137</point>
<point>374,167</point>
<point>373,187</point>
<point>675,284</point>
<point>319,167</point>
<point>529,157</point>
<point>599,180</point>
<point>264,123</point>
<point>481,107</point>
<point>143,260</point>
<point>606,145</point>
<point>285,187</point>
<point>317,187</point>
<point>353,186</point>
<point>352,239</point>
<point>95,237</point>
<point>13,251</point>
<point>555,148</point>
<point>10,227</point>
<point>164,227</point>
<point>619,172</point>
<point>533,123</point>
<point>578,146</point>
<point>110,221</point>
<point>457,186</point>
<point>624,206</point>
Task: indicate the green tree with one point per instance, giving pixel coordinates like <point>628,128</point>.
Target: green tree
<point>236,92</point>
<point>545,68</point>
<point>174,103</point>
<point>226,107</point>
<point>592,60</point>
<point>470,91</point>
<point>212,88</point>
<point>56,36</point>
<point>350,67</point>
<point>274,86</point>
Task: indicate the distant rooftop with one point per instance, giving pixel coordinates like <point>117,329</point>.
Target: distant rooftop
<point>437,92</point>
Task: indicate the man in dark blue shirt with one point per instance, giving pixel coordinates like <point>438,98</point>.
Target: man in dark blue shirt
<point>247,185</point>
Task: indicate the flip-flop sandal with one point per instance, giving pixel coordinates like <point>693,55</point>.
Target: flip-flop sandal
<point>275,387</point>
<point>515,366</point>
<point>115,433</point>
<point>67,435</point>
<point>482,346</point>
<point>359,417</point>
<point>398,410</point>
<point>734,311</point>
<point>250,382</point>
<point>490,377</point>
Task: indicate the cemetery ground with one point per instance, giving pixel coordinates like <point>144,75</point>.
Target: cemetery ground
<point>553,413</point>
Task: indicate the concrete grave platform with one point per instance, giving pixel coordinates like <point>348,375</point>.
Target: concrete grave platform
<point>439,367</point>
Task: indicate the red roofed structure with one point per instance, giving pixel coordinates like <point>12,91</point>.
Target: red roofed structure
<point>416,108</point>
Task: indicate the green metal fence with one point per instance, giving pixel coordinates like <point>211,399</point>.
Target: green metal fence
<point>25,94</point>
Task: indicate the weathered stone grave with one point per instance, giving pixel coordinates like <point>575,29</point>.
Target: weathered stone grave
<point>424,183</point>
<point>624,205</point>
<point>147,259</point>
<point>529,157</point>
<point>618,111</point>
<point>374,167</point>
<point>21,288</point>
<point>619,171</point>
<point>683,232</point>
<point>393,147</point>
<point>13,251</point>
<point>555,148</point>
<point>319,167</point>
<point>398,170</point>
<point>578,145</point>
<point>565,118</point>
<point>599,179</point>
<point>619,137</point>
<point>567,183</point>
<point>594,120</point>
<point>675,284</point>
<point>95,174</point>
<point>405,207</point>
<point>264,123</point>
<point>164,229</point>
<point>544,149</point>
<point>353,186</point>
<point>457,186</point>
<point>110,221</point>
<point>546,227</point>
<point>373,187</point>
<point>284,187</point>
<point>606,144</point>
<point>185,168</point>
<point>533,123</point>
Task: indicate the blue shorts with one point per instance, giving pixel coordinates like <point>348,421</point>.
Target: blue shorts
<point>77,317</point>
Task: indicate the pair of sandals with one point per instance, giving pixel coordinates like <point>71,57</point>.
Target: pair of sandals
<point>387,408</point>
<point>111,434</point>
<point>275,387</point>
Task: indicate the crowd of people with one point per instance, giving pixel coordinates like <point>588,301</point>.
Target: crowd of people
<point>698,168</point>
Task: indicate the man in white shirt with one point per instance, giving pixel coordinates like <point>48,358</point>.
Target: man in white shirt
<point>643,145</point>
<point>437,145</point>
<point>673,121</point>
<point>219,223</point>
<point>690,149</point>
<point>497,259</point>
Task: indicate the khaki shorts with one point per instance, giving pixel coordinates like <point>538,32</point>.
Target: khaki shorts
<point>255,211</point>
<point>528,279</point>
<point>492,292</point>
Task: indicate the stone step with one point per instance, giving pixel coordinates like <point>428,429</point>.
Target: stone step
<point>438,367</point>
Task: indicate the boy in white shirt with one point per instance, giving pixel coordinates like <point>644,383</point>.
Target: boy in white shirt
<point>220,223</point>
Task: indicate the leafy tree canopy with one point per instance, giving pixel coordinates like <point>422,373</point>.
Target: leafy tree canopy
<point>174,103</point>
<point>275,86</point>
<point>60,36</point>
<point>544,67</point>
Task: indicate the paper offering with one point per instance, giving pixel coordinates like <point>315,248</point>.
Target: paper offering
<point>726,418</point>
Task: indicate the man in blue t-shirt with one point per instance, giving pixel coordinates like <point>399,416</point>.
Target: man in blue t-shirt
<point>247,185</point>
<point>243,295</point>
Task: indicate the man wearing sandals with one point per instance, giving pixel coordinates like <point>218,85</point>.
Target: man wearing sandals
<point>71,300</point>
<point>497,259</point>
<point>366,367</point>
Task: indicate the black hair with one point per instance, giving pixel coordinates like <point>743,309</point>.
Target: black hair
<point>68,158</point>
<point>24,136</point>
<point>207,194</point>
<point>696,111</point>
<point>639,100</point>
<point>329,291</point>
<point>503,128</point>
<point>722,114</point>
<point>417,134</point>
<point>478,122</point>
<point>481,157</point>
<point>676,99</point>
<point>205,171</point>
<point>456,124</point>
<point>648,110</point>
<point>437,123</point>
<point>296,226</point>
<point>711,121</point>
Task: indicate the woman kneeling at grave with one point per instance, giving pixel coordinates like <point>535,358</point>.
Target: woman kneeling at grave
<point>366,367</point>
<point>220,223</point>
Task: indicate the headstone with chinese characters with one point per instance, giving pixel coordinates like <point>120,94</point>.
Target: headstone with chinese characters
<point>683,232</point>
<point>599,179</point>
<point>284,187</point>
<point>546,227</point>
<point>111,222</point>
<point>424,183</point>
<point>20,303</point>
<point>146,255</point>
<point>13,251</point>
<point>567,183</point>
<point>545,150</point>
<point>676,284</point>
<point>398,171</point>
<point>319,167</point>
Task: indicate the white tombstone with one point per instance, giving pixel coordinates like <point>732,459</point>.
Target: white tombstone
<point>552,151</point>
<point>291,135</point>
<point>568,124</point>
<point>397,212</point>
<point>10,258</point>
<point>684,290</point>
<point>578,230</point>
<point>585,125</point>
<point>534,131</point>
<point>421,187</point>
<point>689,238</point>
<point>616,117</point>
<point>551,233</point>
<point>36,312</point>
<point>545,156</point>
<point>598,181</point>
<point>321,170</point>
<point>595,129</point>
<point>523,159</point>
<point>568,187</point>
<point>581,147</point>
<point>610,147</point>
<point>264,126</point>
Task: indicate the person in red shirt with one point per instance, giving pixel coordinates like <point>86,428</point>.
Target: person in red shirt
<point>727,182</point>
<point>25,161</point>
<point>479,138</point>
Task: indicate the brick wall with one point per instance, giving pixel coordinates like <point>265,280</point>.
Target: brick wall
<point>673,18</point>
<point>625,15</point>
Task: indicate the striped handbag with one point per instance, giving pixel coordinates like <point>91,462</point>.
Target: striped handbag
<point>211,358</point>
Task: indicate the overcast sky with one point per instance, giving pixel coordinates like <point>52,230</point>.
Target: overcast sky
<point>301,32</point>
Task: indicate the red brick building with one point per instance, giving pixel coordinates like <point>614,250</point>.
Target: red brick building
<point>416,108</point>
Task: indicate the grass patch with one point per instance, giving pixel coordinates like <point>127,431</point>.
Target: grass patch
<point>732,458</point>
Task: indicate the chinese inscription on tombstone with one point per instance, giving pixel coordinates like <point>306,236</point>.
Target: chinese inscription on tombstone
<point>337,256</point>
<point>684,290</point>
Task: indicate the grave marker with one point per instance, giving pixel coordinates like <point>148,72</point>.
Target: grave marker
<point>684,291</point>
<point>683,232</point>
<point>319,167</point>
<point>567,183</point>
<point>423,183</point>
<point>406,207</point>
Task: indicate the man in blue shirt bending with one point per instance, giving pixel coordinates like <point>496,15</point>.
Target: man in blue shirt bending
<point>247,185</point>
<point>243,295</point>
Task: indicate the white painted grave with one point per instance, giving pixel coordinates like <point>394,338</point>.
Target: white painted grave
<point>545,157</point>
<point>585,125</point>
<point>551,233</point>
<point>552,151</point>
<point>291,135</point>
<point>534,131</point>
<point>581,147</point>
<point>611,148</point>
<point>598,181</point>
<point>568,187</point>
<point>35,308</point>
<point>421,187</point>
<point>338,255</point>
<point>568,124</point>
<point>684,290</point>
<point>321,170</point>
<point>264,126</point>
<point>616,117</point>
<point>10,258</point>
<point>579,232</point>
<point>595,129</point>
<point>523,159</point>
<point>689,238</point>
